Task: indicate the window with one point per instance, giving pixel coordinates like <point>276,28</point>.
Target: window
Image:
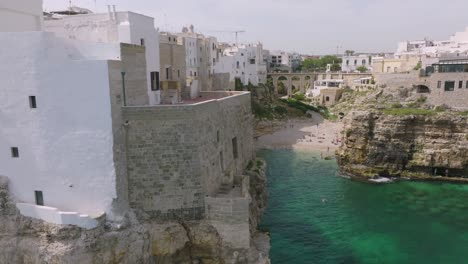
<point>154,81</point>
<point>195,73</point>
<point>466,85</point>
<point>39,198</point>
<point>169,39</point>
<point>167,73</point>
<point>363,62</point>
<point>235,153</point>
<point>355,62</point>
<point>14,152</point>
<point>449,86</point>
<point>252,61</point>
<point>221,160</point>
<point>32,102</point>
<point>242,54</point>
<point>347,62</point>
<point>237,65</point>
<point>217,136</point>
<point>460,84</point>
<point>439,84</point>
<point>178,73</point>
<point>142,41</point>
<point>243,64</point>
<point>327,99</point>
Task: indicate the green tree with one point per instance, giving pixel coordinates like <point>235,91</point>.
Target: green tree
<point>349,52</point>
<point>362,68</point>
<point>335,67</point>
<point>321,63</point>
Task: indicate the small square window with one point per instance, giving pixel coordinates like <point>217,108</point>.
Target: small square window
<point>14,152</point>
<point>32,102</point>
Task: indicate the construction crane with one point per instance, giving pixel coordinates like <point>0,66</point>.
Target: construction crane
<point>231,31</point>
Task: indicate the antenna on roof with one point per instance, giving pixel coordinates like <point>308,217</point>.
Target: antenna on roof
<point>69,7</point>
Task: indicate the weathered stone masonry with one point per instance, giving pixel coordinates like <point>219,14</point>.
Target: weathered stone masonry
<point>179,154</point>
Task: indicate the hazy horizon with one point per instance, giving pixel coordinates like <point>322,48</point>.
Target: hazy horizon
<point>300,25</point>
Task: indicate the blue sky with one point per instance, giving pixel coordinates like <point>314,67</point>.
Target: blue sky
<point>306,26</point>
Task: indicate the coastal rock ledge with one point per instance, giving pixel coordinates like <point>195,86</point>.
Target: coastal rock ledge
<point>27,240</point>
<point>411,146</point>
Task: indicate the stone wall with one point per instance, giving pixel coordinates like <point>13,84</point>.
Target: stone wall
<point>221,82</point>
<point>178,154</point>
<point>458,98</point>
<point>396,79</point>
<point>133,59</point>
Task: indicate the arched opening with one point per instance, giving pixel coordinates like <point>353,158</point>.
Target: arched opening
<point>422,89</point>
<point>282,85</point>
<point>296,84</point>
<point>307,83</point>
<point>327,99</point>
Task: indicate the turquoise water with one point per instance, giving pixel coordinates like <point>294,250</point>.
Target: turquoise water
<point>315,216</point>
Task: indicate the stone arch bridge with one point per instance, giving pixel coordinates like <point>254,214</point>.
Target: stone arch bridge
<point>304,80</point>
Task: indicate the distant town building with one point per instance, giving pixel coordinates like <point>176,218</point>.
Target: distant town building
<point>284,61</point>
<point>422,53</point>
<point>202,54</point>
<point>244,62</point>
<point>173,69</point>
<point>115,27</point>
<point>351,63</point>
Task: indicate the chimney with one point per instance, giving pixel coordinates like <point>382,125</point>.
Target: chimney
<point>115,13</point>
<point>109,11</point>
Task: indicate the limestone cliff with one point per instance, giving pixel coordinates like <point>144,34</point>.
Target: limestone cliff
<point>421,146</point>
<point>26,240</point>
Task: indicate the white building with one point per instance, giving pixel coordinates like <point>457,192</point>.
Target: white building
<point>286,61</point>
<point>202,54</point>
<point>455,46</point>
<point>351,63</point>
<point>245,62</point>
<point>116,27</point>
<point>59,141</point>
<point>320,85</point>
<point>27,15</point>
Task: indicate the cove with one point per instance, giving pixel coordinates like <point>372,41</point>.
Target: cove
<point>316,216</point>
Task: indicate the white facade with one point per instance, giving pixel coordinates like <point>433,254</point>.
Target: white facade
<point>353,62</point>
<point>245,62</point>
<point>65,144</point>
<point>324,84</point>
<point>284,60</point>
<point>455,46</point>
<point>115,27</point>
<point>20,15</point>
<point>202,53</point>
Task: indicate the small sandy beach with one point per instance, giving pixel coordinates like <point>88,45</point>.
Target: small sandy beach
<point>312,134</point>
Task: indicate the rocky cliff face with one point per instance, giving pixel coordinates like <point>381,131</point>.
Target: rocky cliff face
<point>26,240</point>
<point>406,145</point>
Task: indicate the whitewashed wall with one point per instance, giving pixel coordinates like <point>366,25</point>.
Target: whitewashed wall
<point>20,15</point>
<point>126,27</point>
<point>65,145</point>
